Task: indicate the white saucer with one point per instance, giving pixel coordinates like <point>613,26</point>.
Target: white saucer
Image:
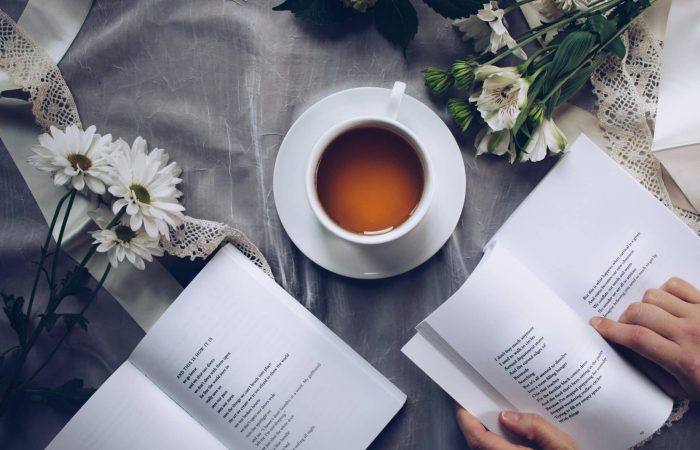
<point>358,260</point>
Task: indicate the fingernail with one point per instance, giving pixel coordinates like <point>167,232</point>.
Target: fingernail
<point>510,416</point>
<point>595,321</point>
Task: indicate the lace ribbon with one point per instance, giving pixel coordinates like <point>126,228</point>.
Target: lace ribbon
<point>626,93</point>
<point>627,96</point>
<point>31,69</point>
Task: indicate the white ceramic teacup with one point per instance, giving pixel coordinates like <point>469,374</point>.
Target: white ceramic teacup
<point>387,121</point>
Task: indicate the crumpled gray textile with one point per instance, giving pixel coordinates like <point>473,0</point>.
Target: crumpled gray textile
<point>217,83</point>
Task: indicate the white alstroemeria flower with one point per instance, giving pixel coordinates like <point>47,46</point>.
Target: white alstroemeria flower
<point>547,136</point>
<point>503,93</point>
<point>548,10</point>
<point>145,184</point>
<point>476,30</point>
<point>75,155</point>
<point>121,242</point>
<point>488,29</point>
<point>495,142</point>
<point>359,5</point>
<point>571,5</point>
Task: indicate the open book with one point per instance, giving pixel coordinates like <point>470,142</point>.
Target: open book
<point>589,240</point>
<point>236,362</point>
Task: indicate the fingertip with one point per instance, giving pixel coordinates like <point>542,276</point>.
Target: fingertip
<point>596,321</point>
<point>464,416</point>
<point>470,425</point>
<point>509,417</point>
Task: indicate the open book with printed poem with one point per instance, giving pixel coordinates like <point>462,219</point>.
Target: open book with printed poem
<point>588,241</point>
<point>237,363</point>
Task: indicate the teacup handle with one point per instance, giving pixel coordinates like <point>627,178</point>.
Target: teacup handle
<point>395,99</point>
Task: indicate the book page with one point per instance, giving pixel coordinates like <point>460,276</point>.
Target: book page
<point>258,370</point>
<point>543,358</point>
<point>128,411</point>
<point>459,379</point>
<point>597,237</point>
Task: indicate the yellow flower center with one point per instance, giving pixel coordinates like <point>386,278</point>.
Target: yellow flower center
<point>79,161</point>
<point>124,233</point>
<point>141,193</point>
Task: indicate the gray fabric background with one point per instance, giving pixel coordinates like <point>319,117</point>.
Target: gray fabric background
<point>218,83</point>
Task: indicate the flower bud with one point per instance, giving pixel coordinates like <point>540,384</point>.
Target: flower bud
<point>463,73</point>
<point>437,80</point>
<point>461,111</point>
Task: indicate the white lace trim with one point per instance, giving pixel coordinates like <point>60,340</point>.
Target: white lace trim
<point>197,238</point>
<point>627,96</point>
<point>626,93</point>
<point>31,69</point>
<point>53,105</point>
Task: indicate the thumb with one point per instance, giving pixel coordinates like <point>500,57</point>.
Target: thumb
<point>534,428</point>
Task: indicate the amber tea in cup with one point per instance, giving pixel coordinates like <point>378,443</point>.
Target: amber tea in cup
<point>369,180</point>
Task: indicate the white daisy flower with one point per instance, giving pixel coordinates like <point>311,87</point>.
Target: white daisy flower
<point>121,242</point>
<point>502,94</point>
<point>360,5</point>
<point>145,183</point>
<point>495,142</point>
<point>546,136</point>
<point>75,156</point>
<point>488,29</point>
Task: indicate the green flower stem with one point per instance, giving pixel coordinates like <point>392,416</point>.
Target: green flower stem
<point>89,255</point>
<point>555,26</point>
<point>44,254</point>
<point>28,343</point>
<point>543,51</point>
<point>59,241</point>
<point>592,56</point>
<point>67,332</point>
<point>53,303</point>
<point>14,347</point>
<point>61,294</point>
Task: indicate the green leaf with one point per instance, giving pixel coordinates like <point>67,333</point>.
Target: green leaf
<point>318,11</point>
<point>396,20</point>
<point>75,319</point>
<point>72,393</point>
<point>605,29</point>
<point>627,11</point>
<point>601,26</point>
<point>454,9</point>
<point>617,48</point>
<point>521,140</point>
<point>572,51</point>
<point>75,284</point>
<point>520,121</point>
<point>15,314</point>
<point>575,83</point>
<point>49,320</point>
<point>535,88</point>
<point>552,103</point>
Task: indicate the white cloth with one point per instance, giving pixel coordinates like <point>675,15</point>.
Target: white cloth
<point>677,135</point>
<point>53,24</point>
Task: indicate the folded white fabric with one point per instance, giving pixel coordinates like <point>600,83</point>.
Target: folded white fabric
<point>53,25</point>
<point>677,134</point>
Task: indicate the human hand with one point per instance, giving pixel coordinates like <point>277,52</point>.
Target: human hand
<point>529,426</point>
<point>664,329</point>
